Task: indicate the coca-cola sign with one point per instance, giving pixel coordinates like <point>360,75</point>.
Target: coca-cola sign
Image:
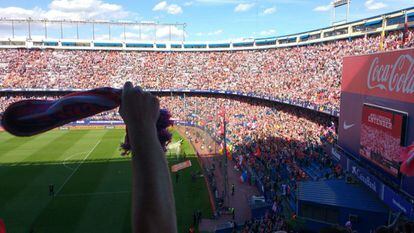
<point>397,77</point>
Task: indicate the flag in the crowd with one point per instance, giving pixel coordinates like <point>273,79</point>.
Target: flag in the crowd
<point>2,226</point>
<point>229,149</point>
<point>258,152</point>
<point>221,129</point>
<point>407,167</point>
<point>243,177</point>
<point>382,40</point>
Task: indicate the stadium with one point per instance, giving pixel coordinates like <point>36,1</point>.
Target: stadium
<point>296,133</point>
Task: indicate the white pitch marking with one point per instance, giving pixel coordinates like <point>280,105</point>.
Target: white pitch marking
<point>74,171</point>
<point>66,159</point>
<point>92,194</point>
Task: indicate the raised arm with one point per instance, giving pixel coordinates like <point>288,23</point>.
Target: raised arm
<point>153,208</point>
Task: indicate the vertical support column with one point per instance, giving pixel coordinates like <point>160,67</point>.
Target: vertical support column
<point>12,27</point>
<point>347,10</point>
<point>45,29</point>
<point>155,32</point>
<point>77,30</point>
<point>93,30</point>
<point>184,32</point>
<point>406,18</point>
<point>140,31</point>
<point>30,31</point>
<point>226,180</point>
<point>61,30</point>
<point>124,33</point>
<point>169,32</point>
<point>109,31</point>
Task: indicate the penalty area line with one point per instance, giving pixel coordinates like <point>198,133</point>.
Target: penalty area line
<point>76,169</point>
<point>66,160</point>
<point>93,194</point>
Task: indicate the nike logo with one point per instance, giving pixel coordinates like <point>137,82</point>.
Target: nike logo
<point>346,127</point>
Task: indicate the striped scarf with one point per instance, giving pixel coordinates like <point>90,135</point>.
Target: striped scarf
<point>31,117</point>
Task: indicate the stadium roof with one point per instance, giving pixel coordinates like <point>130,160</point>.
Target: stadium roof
<point>339,193</point>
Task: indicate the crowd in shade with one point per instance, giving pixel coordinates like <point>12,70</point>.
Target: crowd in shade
<point>271,222</point>
<point>309,74</point>
<point>274,144</point>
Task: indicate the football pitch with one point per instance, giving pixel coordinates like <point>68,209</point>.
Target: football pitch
<point>92,183</point>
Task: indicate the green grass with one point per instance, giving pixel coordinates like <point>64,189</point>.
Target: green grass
<point>92,182</point>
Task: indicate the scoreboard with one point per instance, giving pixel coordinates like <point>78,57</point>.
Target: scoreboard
<point>376,121</point>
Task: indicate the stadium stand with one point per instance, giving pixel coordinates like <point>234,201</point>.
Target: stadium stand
<point>310,74</point>
<point>277,144</point>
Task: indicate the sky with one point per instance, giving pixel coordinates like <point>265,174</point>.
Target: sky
<point>206,20</point>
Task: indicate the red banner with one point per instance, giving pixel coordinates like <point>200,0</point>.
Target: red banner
<point>388,75</point>
<point>180,166</point>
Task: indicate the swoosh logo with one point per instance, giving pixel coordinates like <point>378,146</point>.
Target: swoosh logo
<point>346,127</point>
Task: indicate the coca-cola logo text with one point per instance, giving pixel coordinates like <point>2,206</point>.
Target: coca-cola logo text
<point>397,77</point>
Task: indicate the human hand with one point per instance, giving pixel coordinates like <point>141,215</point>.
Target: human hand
<point>139,109</point>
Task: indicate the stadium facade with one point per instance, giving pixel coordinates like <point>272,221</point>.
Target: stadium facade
<point>8,39</point>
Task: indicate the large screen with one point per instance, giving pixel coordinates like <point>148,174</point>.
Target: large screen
<point>383,134</point>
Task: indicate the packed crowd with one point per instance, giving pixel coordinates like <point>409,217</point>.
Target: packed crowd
<point>273,142</point>
<point>266,139</point>
<point>310,74</point>
<point>271,222</point>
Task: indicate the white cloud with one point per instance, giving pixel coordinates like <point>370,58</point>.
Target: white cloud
<point>218,2</point>
<point>21,13</point>
<point>213,33</point>
<point>323,8</point>
<point>160,6</point>
<point>172,9</point>
<point>374,5</point>
<point>162,33</point>
<point>269,11</point>
<point>69,9</point>
<point>82,5</point>
<point>270,32</point>
<point>243,7</point>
